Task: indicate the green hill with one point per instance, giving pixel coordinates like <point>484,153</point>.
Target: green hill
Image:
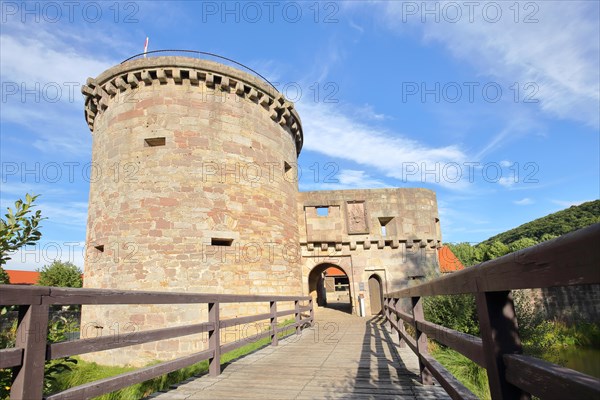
<point>559,223</point>
<point>529,234</point>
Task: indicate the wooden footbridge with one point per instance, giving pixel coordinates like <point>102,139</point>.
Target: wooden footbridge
<point>331,354</point>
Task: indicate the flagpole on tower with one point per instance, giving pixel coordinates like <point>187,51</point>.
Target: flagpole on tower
<point>146,47</point>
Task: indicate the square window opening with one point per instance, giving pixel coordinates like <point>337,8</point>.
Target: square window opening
<point>221,242</point>
<point>156,141</point>
<point>323,211</point>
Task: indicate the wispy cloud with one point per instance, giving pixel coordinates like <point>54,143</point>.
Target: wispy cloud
<point>356,27</point>
<point>43,58</point>
<point>68,213</point>
<point>524,201</point>
<point>32,257</point>
<point>331,132</point>
<point>367,111</point>
<point>44,72</point>
<point>564,70</point>
<point>346,179</point>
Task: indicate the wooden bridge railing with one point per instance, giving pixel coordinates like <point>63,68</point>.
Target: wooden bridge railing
<point>31,349</point>
<point>572,259</point>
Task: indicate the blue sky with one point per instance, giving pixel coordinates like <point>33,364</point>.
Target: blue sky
<point>493,105</point>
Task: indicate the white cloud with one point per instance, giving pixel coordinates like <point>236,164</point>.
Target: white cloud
<point>524,201</point>
<point>357,27</point>
<point>43,58</point>
<point>50,68</point>
<point>30,258</point>
<point>346,179</point>
<point>359,179</point>
<point>68,213</point>
<point>506,181</point>
<point>367,111</point>
<point>15,184</point>
<point>558,53</point>
<point>331,132</point>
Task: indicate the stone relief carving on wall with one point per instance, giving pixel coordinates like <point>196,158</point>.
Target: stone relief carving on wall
<point>357,217</point>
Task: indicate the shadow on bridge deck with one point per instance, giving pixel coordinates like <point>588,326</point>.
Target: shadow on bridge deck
<point>341,357</point>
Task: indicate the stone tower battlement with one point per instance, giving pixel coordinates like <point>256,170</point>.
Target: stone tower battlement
<point>119,81</point>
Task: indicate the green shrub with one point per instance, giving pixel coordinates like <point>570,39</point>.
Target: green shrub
<point>457,312</point>
<point>62,274</point>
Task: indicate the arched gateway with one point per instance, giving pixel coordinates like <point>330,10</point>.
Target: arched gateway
<point>329,285</point>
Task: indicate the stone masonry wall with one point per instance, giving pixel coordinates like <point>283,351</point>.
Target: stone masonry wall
<point>351,236</point>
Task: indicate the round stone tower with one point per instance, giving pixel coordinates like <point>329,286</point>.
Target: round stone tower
<point>193,189</point>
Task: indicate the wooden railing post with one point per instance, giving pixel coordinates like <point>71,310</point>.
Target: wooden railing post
<point>386,312</point>
<point>32,331</point>
<point>399,323</point>
<point>297,316</point>
<point>214,340</point>
<point>499,335</point>
<point>274,338</point>
<point>312,312</point>
<point>420,339</point>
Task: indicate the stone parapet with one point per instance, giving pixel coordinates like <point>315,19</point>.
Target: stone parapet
<point>119,80</point>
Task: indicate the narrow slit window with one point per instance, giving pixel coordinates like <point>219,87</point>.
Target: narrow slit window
<point>100,248</point>
<point>323,211</point>
<point>156,141</point>
<point>288,172</point>
<point>221,242</point>
<point>383,222</point>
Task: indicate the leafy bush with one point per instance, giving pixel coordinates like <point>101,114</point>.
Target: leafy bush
<point>457,312</point>
<point>19,228</point>
<point>7,340</point>
<point>63,274</point>
<point>57,332</point>
<point>4,278</point>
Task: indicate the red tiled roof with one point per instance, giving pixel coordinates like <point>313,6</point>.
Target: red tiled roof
<point>22,277</point>
<point>448,261</point>
<point>333,271</point>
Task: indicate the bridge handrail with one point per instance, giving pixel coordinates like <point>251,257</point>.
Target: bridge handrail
<point>572,259</point>
<point>31,349</point>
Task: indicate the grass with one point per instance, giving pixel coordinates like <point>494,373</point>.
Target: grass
<point>85,372</point>
<point>541,340</point>
<point>466,371</point>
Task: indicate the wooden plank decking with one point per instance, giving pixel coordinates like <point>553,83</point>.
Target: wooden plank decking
<point>341,357</point>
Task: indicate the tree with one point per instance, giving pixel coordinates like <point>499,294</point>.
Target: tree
<point>4,278</point>
<point>63,274</point>
<point>456,312</point>
<point>522,243</point>
<point>495,250</point>
<point>467,254</point>
<point>19,228</point>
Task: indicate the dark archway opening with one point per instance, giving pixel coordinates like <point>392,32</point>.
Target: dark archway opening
<point>330,287</point>
<point>376,294</point>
